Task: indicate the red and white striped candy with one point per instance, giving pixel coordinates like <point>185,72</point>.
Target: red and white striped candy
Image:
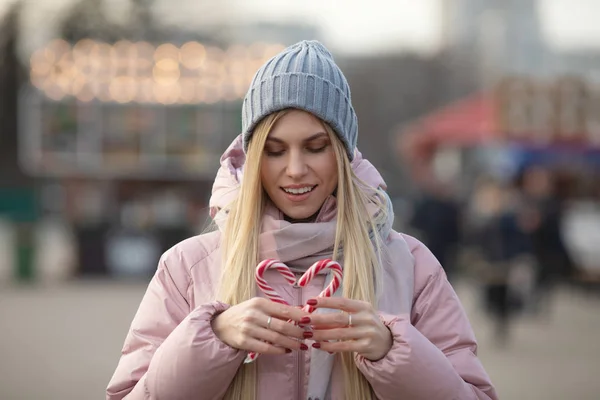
<point>336,270</point>
<point>268,290</point>
<point>265,287</point>
<point>289,276</point>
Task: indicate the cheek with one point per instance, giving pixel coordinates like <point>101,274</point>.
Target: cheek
<point>268,173</point>
<point>264,173</point>
<point>333,180</point>
<point>328,171</point>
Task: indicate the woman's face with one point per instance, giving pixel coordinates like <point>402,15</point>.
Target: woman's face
<point>298,169</point>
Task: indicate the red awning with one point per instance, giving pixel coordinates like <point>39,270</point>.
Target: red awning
<point>470,121</point>
<point>467,122</point>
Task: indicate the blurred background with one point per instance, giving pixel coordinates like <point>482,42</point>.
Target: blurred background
<point>482,115</point>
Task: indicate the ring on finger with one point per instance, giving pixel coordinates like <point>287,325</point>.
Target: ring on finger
<point>269,322</point>
<point>349,320</point>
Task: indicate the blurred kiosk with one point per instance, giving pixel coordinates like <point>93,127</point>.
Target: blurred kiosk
<point>125,139</point>
<point>522,122</point>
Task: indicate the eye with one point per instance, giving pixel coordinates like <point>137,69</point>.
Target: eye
<point>318,150</point>
<point>271,153</point>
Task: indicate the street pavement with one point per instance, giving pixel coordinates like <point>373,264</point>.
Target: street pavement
<point>63,342</point>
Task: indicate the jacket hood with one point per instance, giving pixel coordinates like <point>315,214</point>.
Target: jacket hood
<point>281,239</point>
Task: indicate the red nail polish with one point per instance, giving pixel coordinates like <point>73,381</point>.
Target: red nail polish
<point>303,347</point>
<point>307,335</point>
<point>288,351</point>
<point>312,302</point>
<point>316,345</point>
<point>305,320</point>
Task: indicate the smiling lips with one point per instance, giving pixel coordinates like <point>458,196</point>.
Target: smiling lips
<point>299,189</point>
<point>298,192</point>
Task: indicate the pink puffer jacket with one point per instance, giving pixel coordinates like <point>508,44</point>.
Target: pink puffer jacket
<point>171,351</point>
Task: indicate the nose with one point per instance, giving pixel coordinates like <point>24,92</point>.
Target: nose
<point>296,165</point>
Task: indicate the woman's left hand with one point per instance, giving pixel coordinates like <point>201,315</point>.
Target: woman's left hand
<point>357,328</point>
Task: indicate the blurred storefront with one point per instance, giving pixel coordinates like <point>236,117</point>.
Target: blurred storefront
<point>522,124</point>
<point>124,140</point>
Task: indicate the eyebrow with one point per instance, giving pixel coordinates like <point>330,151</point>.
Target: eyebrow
<point>313,137</point>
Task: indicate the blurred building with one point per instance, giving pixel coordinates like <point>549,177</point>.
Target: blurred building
<point>502,37</point>
<point>579,63</point>
<point>113,133</point>
<point>125,138</point>
<point>505,37</point>
<point>391,91</point>
<point>286,34</point>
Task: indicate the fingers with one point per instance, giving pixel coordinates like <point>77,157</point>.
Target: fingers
<point>330,331</point>
<point>280,311</point>
<point>340,334</point>
<point>254,329</point>
<point>340,303</point>
<point>257,346</point>
<point>284,327</point>
<point>364,347</point>
<point>276,338</point>
<point>356,346</point>
<point>330,320</point>
<point>264,328</point>
<point>340,320</point>
<point>279,314</point>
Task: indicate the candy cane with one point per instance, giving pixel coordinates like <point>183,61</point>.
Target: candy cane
<point>268,290</point>
<point>283,269</point>
<point>317,267</point>
<point>265,287</point>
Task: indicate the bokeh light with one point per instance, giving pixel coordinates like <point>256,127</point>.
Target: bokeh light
<point>126,72</point>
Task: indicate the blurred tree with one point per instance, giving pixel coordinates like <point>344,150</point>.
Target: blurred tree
<point>142,24</point>
<point>11,77</point>
<point>89,19</point>
<point>17,191</point>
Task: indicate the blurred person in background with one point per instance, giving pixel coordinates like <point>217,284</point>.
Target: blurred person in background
<point>552,258</point>
<point>436,217</point>
<point>293,187</point>
<point>499,224</point>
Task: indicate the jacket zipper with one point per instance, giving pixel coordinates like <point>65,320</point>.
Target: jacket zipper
<point>300,358</point>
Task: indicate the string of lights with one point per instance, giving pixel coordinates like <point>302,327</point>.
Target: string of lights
<point>140,72</point>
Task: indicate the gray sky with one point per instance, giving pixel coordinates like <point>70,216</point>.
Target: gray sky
<point>384,24</point>
<point>416,24</point>
<point>363,25</point>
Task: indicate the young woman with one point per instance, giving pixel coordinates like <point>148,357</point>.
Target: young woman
<point>293,187</point>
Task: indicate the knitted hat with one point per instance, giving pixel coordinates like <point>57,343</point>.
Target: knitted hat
<point>303,76</point>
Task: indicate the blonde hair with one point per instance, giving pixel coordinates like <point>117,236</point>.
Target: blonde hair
<point>241,240</point>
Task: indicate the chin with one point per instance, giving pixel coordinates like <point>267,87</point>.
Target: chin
<point>299,215</point>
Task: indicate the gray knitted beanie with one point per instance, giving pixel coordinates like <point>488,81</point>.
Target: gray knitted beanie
<point>303,76</point>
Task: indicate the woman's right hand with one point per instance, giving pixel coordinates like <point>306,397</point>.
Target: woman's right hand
<point>245,327</point>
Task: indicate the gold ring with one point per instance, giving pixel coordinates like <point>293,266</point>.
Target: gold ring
<point>349,320</point>
<point>269,323</point>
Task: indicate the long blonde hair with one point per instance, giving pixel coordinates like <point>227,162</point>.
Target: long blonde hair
<point>241,242</point>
